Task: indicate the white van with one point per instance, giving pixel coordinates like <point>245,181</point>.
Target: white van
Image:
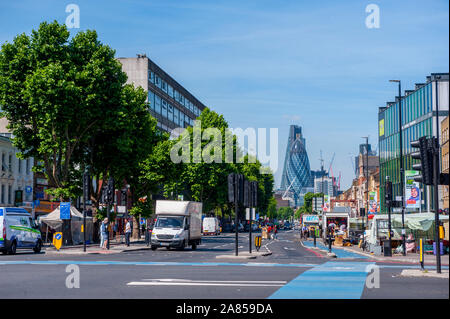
<point>18,231</point>
<point>178,224</point>
<point>211,226</point>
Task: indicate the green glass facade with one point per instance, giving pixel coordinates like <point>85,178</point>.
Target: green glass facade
<point>417,121</point>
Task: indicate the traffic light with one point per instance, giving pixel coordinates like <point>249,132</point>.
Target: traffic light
<point>86,187</point>
<point>110,191</point>
<point>231,193</point>
<point>425,155</point>
<point>123,197</point>
<point>362,212</point>
<point>254,187</point>
<point>246,193</point>
<point>388,193</point>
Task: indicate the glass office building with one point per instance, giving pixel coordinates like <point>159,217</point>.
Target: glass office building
<point>418,119</point>
<point>296,171</point>
<point>170,103</point>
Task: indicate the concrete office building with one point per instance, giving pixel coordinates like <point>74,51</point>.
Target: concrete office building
<point>170,103</point>
<point>419,112</point>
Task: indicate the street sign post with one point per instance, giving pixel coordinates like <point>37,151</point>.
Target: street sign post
<point>64,210</point>
<point>57,240</point>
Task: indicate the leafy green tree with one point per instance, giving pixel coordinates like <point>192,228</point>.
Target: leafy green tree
<point>59,95</point>
<point>207,182</point>
<point>272,208</point>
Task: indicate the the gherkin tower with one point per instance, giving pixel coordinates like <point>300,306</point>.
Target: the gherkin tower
<point>296,171</point>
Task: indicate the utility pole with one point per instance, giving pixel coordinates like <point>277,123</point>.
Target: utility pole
<point>402,176</point>
<point>436,183</point>
<point>366,190</point>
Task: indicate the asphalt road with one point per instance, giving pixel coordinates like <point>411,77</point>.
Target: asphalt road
<point>291,272</point>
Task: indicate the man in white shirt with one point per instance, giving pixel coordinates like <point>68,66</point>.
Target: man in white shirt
<point>127,232</point>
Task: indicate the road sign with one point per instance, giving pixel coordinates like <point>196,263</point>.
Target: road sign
<point>247,213</point>
<point>28,189</point>
<point>258,241</point>
<point>64,210</point>
<point>57,240</point>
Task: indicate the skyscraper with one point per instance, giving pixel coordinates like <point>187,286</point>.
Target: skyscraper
<point>296,171</point>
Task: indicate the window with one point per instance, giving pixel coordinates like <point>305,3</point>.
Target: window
<point>9,193</point>
<point>170,90</point>
<point>3,194</point>
<point>4,166</point>
<point>164,86</point>
<point>151,100</point>
<point>152,77</point>
<point>164,108</point>
<point>157,104</point>
<point>157,81</point>
<point>10,163</point>
<point>28,166</point>
<point>176,116</point>
<point>170,112</point>
<point>19,167</point>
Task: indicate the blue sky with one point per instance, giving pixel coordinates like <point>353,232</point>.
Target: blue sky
<point>272,63</point>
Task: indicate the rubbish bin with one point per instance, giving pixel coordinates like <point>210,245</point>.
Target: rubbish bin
<point>387,248</point>
<point>441,246</point>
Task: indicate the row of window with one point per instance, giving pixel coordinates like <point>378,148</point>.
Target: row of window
<point>389,147</point>
<point>414,106</point>
<point>7,166</point>
<point>173,93</point>
<point>7,198</point>
<point>168,111</point>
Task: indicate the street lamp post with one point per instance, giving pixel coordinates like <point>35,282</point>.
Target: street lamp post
<point>401,162</point>
<point>366,189</point>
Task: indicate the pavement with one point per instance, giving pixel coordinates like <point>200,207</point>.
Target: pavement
<point>354,251</point>
<point>114,248</point>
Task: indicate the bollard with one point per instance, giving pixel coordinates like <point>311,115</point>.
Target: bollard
<point>329,242</point>
<point>421,254</point>
<point>314,237</point>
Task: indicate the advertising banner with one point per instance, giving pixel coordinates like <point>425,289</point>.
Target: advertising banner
<point>373,203</point>
<point>326,206</point>
<point>412,191</point>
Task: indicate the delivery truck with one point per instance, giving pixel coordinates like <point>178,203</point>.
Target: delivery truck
<point>338,220</point>
<point>211,226</point>
<point>178,224</point>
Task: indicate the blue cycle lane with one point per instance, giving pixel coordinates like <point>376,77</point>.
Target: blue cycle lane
<point>340,252</point>
<point>331,280</point>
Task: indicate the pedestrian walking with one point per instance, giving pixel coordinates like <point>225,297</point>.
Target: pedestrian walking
<point>275,232</point>
<point>104,234</point>
<point>127,232</point>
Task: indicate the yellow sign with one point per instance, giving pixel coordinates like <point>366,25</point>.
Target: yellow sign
<point>57,240</point>
<point>381,127</point>
<point>82,228</point>
<point>258,241</point>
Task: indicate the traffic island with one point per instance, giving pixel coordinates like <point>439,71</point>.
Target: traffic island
<point>424,273</point>
<point>244,255</point>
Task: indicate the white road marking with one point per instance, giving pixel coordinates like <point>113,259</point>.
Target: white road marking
<point>187,282</point>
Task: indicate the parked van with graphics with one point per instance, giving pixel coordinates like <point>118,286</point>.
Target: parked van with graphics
<point>18,231</point>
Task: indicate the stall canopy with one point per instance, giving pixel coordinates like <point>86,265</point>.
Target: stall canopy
<point>54,221</point>
<point>418,221</point>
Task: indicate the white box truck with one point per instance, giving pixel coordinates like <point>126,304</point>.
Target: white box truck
<point>211,226</point>
<point>178,224</point>
<point>338,217</point>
